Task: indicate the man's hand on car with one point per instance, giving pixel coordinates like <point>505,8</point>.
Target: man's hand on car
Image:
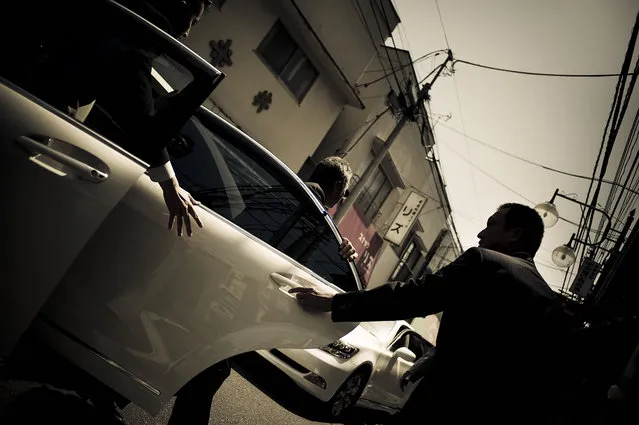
<point>181,205</point>
<point>312,301</point>
<point>347,250</point>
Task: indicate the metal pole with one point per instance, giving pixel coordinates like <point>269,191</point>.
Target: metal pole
<point>372,168</point>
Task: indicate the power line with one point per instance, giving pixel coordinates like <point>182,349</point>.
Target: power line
<point>620,109</point>
<point>362,17</point>
<point>388,27</point>
<point>406,65</point>
<point>365,132</point>
<point>538,74</point>
<point>613,123</point>
<point>441,20</point>
<point>528,161</point>
<point>495,179</point>
<point>390,62</point>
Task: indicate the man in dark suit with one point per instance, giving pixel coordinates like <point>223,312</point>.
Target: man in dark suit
<point>494,344</point>
<point>107,72</point>
<point>329,183</point>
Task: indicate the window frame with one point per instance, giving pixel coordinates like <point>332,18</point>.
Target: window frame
<point>365,210</point>
<point>279,25</point>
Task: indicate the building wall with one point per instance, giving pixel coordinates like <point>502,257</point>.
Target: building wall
<point>359,136</point>
<point>336,30</point>
<point>289,129</point>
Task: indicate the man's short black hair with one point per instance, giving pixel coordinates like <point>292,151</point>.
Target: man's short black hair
<point>331,170</point>
<point>529,221</point>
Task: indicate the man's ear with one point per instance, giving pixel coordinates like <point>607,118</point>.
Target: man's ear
<point>516,233</point>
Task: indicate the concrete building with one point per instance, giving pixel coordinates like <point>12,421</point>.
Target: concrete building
<point>291,65</point>
<point>410,166</point>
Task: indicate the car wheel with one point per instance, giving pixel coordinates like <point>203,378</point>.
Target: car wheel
<point>348,393</point>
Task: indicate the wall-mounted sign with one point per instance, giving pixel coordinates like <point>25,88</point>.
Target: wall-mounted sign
<point>365,240</point>
<point>405,218</point>
<point>585,278</point>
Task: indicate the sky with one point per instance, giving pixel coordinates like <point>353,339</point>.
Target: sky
<point>557,122</point>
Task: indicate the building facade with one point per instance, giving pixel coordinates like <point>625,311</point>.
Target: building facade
<point>291,66</point>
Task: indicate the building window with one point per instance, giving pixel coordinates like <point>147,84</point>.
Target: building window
<point>408,265</point>
<point>373,196</point>
<point>285,58</point>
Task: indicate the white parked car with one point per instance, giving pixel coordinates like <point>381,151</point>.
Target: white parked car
<point>91,268</point>
<point>363,367</point>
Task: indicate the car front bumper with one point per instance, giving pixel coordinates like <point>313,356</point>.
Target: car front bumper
<point>314,370</point>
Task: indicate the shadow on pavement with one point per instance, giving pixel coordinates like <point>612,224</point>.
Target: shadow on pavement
<point>281,389</point>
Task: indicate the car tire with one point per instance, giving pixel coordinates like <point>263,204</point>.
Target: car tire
<point>348,393</point>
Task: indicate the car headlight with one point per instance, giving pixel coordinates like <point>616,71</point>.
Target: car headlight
<point>340,349</point>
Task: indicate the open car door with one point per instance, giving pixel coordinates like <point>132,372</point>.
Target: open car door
<point>162,309</point>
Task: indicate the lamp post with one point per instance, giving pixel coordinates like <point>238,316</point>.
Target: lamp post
<point>564,255</point>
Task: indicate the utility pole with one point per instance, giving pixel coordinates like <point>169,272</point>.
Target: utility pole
<point>407,115</point>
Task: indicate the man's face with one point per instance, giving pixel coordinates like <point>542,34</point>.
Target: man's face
<point>184,28</point>
<point>495,236</point>
<point>332,197</point>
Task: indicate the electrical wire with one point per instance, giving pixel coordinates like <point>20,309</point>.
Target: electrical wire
<point>414,62</point>
<point>618,116</point>
<point>613,124</point>
<point>388,27</point>
<point>441,20</point>
<point>528,161</point>
<point>490,176</point>
<point>362,18</point>
<point>365,132</point>
<point>390,62</point>
<point>538,74</point>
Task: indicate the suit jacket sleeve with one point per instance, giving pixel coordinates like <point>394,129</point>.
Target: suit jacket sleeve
<point>421,365</point>
<point>403,300</point>
<point>128,97</point>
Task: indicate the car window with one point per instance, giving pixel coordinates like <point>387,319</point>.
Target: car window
<point>230,182</point>
<point>312,243</point>
<point>97,72</point>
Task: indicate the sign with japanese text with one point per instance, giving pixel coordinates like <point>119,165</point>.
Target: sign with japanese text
<point>585,278</point>
<point>405,218</point>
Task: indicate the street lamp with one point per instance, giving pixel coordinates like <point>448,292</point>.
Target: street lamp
<point>564,255</point>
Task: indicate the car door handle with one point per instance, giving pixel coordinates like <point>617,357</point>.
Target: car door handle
<point>83,170</point>
<point>285,283</point>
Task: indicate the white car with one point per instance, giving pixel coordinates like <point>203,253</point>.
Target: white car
<point>92,269</point>
<point>363,367</point>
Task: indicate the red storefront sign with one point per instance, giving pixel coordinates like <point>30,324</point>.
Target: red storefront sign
<point>365,240</point>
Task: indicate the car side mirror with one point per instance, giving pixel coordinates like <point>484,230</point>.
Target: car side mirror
<point>405,354</point>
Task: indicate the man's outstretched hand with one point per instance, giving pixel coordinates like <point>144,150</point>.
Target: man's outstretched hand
<point>313,301</point>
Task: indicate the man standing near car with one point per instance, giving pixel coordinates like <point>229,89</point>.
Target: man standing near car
<point>114,76</point>
<point>329,183</point>
<point>494,344</point>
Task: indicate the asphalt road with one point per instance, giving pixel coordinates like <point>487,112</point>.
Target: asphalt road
<point>255,393</point>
